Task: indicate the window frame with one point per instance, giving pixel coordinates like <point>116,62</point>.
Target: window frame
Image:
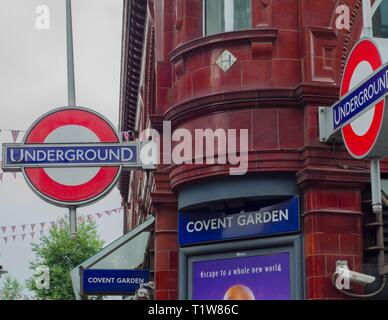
<point>375,9</point>
<point>204,20</point>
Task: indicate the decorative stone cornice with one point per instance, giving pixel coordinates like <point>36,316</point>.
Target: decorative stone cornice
<point>263,35</point>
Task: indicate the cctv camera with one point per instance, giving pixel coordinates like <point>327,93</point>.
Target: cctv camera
<point>345,273</point>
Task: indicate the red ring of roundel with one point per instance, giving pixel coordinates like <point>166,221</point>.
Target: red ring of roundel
<point>360,146</point>
<point>83,192</point>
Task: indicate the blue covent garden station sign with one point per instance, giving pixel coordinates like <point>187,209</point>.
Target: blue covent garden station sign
<point>112,282</point>
<point>198,227</point>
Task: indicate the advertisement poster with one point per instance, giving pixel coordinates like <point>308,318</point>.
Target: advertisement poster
<point>264,277</point>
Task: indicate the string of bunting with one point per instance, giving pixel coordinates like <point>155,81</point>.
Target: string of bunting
<point>38,228</point>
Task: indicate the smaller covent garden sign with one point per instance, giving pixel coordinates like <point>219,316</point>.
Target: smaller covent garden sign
<point>72,156</point>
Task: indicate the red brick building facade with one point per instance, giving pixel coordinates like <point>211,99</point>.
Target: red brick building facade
<point>289,62</point>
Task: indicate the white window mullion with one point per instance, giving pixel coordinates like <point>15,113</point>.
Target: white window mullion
<point>229,15</point>
<point>375,6</point>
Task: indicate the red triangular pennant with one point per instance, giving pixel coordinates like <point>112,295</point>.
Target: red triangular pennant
<point>15,135</point>
<point>126,135</point>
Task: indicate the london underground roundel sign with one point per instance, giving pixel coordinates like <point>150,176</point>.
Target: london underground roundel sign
<point>366,135</point>
<point>71,156</point>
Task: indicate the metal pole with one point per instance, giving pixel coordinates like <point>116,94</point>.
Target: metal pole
<point>70,56</point>
<point>367,17</point>
<point>377,208</point>
<point>73,222</point>
<point>71,98</point>
<point>376,185</point>
<point>375,177</point>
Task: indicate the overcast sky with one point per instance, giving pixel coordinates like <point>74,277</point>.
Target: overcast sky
<point>33,81</point>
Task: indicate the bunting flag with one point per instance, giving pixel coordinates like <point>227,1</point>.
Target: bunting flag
<point>126,135</point>
<point>90,218</point>
<point>15,135</point>
<point>23,236</point>
<point>32,226</point>
<point>23,227</point>
<point>32,235</point>
<point>5,239</point>
<point>14,174</point>
<point>14,238</point>
<point>4,229</point>
<point>42,224</point>
<point>13,228</point>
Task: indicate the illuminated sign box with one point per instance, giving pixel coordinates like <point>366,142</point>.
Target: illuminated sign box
<point>198,227</point>
<point>112,282</point>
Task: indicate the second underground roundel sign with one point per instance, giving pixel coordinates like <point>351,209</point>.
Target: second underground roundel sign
<point>71,185</point>
<point>366,136</point>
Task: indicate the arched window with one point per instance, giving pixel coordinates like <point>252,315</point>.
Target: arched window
<point>226,15</point>
<point>380,20</point>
